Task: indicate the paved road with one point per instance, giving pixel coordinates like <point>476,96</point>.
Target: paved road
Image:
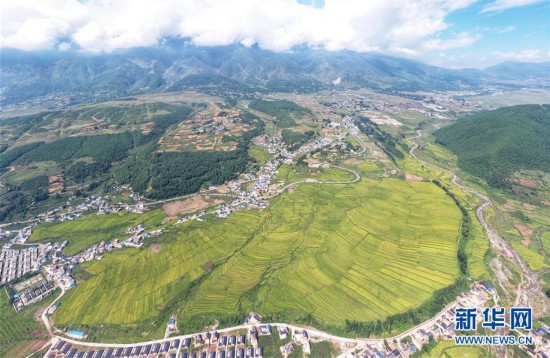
<point>496,241</point>
<point>312,332</point>
<point>363,146</point>
<point>204,193</point>
<point>45,317</point>
<point>355,180</point>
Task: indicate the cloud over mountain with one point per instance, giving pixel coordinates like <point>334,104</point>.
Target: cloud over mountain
<point>391,26</point>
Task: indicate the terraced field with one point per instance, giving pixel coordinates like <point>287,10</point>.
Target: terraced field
<point>377,248</point>
<point>535,260</point>
<point>448,349</point>
<point>291,174</point>
<point>91,229</point>
<point>19,332</point>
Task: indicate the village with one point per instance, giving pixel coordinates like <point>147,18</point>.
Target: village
<point>244,341</point>
<point>235,342</point>
<point>241,341</point>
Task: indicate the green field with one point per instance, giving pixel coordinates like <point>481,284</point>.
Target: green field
<point>448,349</point>
<point>260,154</point>
<point>92,229</point>
<point>535,260</point>
<point>284,112</point>
<point>295,173</point>
<point>477,244</point>
<point>377,247</point>
<point>545,239</point>
<point>20,331</point>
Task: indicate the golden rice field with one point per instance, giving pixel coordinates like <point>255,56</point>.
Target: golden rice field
<point>376,248</point>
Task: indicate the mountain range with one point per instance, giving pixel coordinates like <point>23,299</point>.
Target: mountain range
<point>74,77</point>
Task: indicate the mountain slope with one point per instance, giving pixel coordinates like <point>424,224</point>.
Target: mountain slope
<point>512,70</point>
<point>494,144</point>
<point>76,77</point>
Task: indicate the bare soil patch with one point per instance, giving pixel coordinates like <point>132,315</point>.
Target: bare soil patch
<point>312,161</point>
<point>353,161</point>
<point>529,183</point>
<point>291,188</point>
<point>412,178</point>
<point>190,205</point>
<point>168,218</point>
<point>56,183</point>
<point>38,345</point>
<point>509,206</point>
<point>380,118</point>
<point>523,230</point>
<point>526,242</point>
<point>156,248</point>
<point>223,189</point>
<point>207,266</point>
<point>36,333</point>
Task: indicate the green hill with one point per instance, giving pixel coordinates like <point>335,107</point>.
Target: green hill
<point>495,144</point>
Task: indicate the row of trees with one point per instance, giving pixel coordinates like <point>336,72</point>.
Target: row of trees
<point>385,141</point>
<point>440,298</point>
<point>464,232</point>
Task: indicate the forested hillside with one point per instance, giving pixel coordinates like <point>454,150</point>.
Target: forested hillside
<point>495,144</point>
<point>88,157</point>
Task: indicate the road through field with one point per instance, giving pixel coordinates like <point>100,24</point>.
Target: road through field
<point>530,284</point>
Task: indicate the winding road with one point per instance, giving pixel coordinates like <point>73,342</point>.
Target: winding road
<point>531,284</point>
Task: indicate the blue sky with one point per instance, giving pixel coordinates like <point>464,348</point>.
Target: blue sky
<point>520,33</point>
<point>450,33</point>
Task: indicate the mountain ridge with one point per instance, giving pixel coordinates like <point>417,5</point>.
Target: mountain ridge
<point>84,77</point>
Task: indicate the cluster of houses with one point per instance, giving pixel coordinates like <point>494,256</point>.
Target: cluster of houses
<point>15,263</point>
<point>439,328</point>
<point>299,337</point>
<point>32,294</point>
<point>60,266</point>
<point>101,204</point>
<point>348,123</point>
<point>63,349</point>
<point>198,216</point>
<point>263,187</point>
<point>214,345</point>
<point>203,345</point>
<point>442,327</point>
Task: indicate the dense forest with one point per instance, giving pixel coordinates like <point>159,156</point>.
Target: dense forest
<point>90,159</point>
<point>160,175</point>
<point>494,144</point>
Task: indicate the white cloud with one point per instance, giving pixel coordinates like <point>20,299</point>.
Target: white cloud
<point>402,27</point>
<point>527,55</point>
<point>461,40</point>
<point>64,46</point>
<point>504,30</point>
<point>500,5</point>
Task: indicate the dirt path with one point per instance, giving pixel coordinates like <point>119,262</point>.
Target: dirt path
<point>530,285</point>
<point>539,233</point>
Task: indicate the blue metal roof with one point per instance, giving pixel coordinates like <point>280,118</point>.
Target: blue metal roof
<point>77,333</point>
